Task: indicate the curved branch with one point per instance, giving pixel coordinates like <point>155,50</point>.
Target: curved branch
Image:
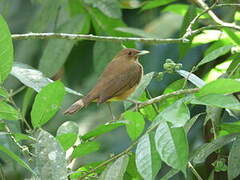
<point>94,38</point>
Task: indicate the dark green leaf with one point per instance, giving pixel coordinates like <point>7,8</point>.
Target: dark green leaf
<point>192,78</point>
<point>102,129</point>
<point>220,86</point>
<point>191,122</point>
<point>6,50</point>
<point>116,170</point>
<point>234,160</point>
<point>180,9</point>
<point>50,161</point>
<point>34,78</point>
<point>3,93</point>
<point>172,146</point>
<point>28,97</point>
<point>148,161</point>
<point>8,112</point>
<point>215,54</point>
<point>20,137</point>
<point>218,100</point>
<point>16,158</point>
<point>85,148</point>
<point>156,3</point>
<point>57,51</point>
<point>47,103</point>
<point>169,174</point>
<point>135,124</point>
<point>131,171</point>
<point>110,8</point>
<point>206,149</point>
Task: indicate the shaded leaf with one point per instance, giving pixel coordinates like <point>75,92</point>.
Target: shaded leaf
<point>136,31</point>
<point>47,103</point>
<point>34,78</point>
<point>234,160</point>
<point>85,148</point>
<point>6,50</point>
<point>57,50</point>
<point>148,161</point>
<point>16,158</point>
<point>192,78</point>
<point>3,93</point>
<point>68,127</point>
<point>220,86</point>
<point>28,97</point>
<point>116,170</point>
<point>206,149</point>
<point>215,54</point>
<point>169,174</point>
<point>8,112</point>
<point>172,146</point>
<point>102,129</point>
<point>50,161</point>
<point>135,124</point>
<point>131,171</point>
<point>156,3</point>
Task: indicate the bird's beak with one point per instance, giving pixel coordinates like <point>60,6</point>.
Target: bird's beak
<point>141,53</point>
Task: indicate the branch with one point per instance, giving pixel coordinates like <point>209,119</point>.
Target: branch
<point>94,38</point>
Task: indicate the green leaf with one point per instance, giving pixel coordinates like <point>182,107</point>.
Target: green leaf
<point>3,93</point>
<point>47,103</point>
<point>57,50</point>
<point>189,16</point>
<point>155,3</point>
<point>19,137</point>
<point>206,149</point>
<point>180,9</point>
<point>215,54</point>
<point>192,78</point>
<point>85,148</point>
<point>110,8</point>
<point>6,50</point>
<point>177,114</point>
<point>131,171</point>
<point>28,97</point>
<point>145,81</point>
<point>169,174</point>
<point>34,78</point>
<point>191,122</point>
<point>8,112</point>
<point>50,161</point>
<point>233,127</point>
<point>234,160</point>
<point>16,158</point>
<point>148,161</point>
<point>220,86</point>
<point>232,36</point>
<point>172,146</point>
<point>102,129</point>
<point>67,134</point>
<point>135,124</point>
<point>116,170</point>
<point>136,31</point>
<point>218,100</point>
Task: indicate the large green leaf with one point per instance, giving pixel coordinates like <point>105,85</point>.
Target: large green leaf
<point>215,54</point>
<point>85,148</point>
<point>220,86</point>
<point>67,134</point>
<point>155,3</point>
<point>57,51</point>
<point>148,161</point>
<point>234,160</point>
<point>50,161</point>
<point>172,146</point>
<point>16,158</point>
<point>6,50</point>
<point>8,112</point>
<point>102,129</point>
<point>116,170</point>
<point>206,149</point>
<point>110,8</point>
<point>47,103</point>
<point>218,100</point>
<point>34,78</point>
<point>135,124</point>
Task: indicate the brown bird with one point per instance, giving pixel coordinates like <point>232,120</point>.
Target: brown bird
<point>118,80</point>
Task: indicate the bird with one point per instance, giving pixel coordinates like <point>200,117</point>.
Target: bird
<point>117,82</point>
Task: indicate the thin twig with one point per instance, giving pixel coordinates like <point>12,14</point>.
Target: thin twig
<point>194,171</point>
<point>17,91</point>
<point>94,38</point>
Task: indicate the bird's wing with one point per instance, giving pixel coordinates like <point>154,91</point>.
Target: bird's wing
<point>125,79</point>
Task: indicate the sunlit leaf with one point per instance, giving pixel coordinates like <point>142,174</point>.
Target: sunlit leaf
<point>135,124</point>
<point>85,148</point>
<point>20,137</point>
<point>234,160</point>
<point>233,127</point>
<point>8,112</point>
<point>50,160</point>
<point>155,3</point>
<point>148,161</point>
<point>47,103</point>
<point>6,50</point>
<point>232,36</point>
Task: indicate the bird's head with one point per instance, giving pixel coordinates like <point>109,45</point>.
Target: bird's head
<point>131,54</point>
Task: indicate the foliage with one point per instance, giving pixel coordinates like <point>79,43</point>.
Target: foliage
<point>164,131</point>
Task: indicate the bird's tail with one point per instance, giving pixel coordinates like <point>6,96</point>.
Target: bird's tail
<point>75,107</point>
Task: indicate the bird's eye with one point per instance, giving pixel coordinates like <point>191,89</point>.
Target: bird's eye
<point>129,53</point>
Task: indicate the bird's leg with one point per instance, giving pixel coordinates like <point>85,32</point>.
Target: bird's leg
<point>110,109</point>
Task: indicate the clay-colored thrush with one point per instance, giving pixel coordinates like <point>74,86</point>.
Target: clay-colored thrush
<point>118,80</point>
